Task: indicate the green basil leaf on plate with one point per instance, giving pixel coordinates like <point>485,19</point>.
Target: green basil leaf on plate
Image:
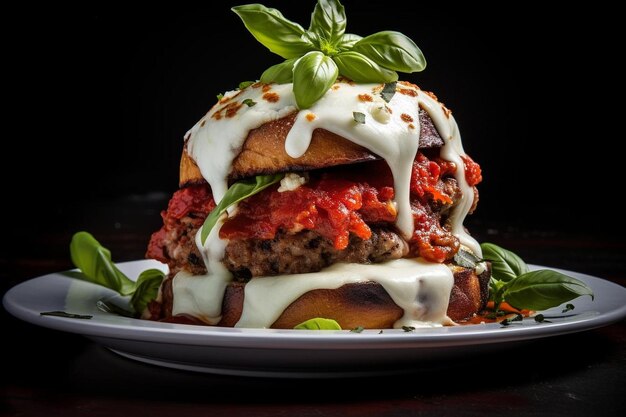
<point>94,261</point>
<point>318,323</point>
<point>148,284</point>
<point>540,290</point>
<point>505,265</point>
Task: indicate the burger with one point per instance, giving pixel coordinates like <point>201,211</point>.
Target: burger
<point>351,209</point>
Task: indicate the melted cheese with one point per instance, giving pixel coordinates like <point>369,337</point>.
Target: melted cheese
<point>391,130</point>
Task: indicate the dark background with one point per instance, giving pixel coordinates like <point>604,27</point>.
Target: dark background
<point>102,98</point>
<point>97,103</point>
<point>105,98</point>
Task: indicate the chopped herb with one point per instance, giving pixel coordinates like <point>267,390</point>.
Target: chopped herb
<point>408,328</point>
<point>508,321</point>
<point>66,315</point>
<point>113,309</point>
<point>389,90</point>
<point>540,318</point>
<point>466,259</point>
<point>245,84</point>
<point>357,329</point>
<point>249,102</point>
<point>220,96</point>
<point>568,307</point>
<point>359,117</point>
<point>380,332</point>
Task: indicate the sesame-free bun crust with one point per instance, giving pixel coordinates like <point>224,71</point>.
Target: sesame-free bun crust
<point>264,152</point>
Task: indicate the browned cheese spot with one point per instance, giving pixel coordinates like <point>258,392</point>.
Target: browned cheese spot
<point>271,97</point>
<point>406,118</point>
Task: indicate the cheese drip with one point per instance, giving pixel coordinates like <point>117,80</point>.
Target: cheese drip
<point>391,130</point>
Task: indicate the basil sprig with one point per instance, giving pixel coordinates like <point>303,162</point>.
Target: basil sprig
<point>513,282</point>
<point>96,266</point>
<point>235,193</point>
<point>317,56</point>
<point>318,323</point>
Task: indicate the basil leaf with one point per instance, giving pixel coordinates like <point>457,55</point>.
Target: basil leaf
<point>278,34</point>
<point>66,315</point>
<point>249,102</point>
<point>112,308</point>
<point>148,284</point>
<point>505,265</point>
<point>361,69</point>
<point>540,290</point>
<point>389,90</point>
<point>466,259</point>
<point>245,84</point>
<point>392,50</point>
<point>358,117</point>
<point>318,323</point>
<point>280,73</point>
<point>328,20</point>
<point>94,260</point>
<point>347,41</point>
<point>237,192</point>
<point>313,75</point>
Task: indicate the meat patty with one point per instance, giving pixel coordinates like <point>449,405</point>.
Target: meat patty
<point>307,251</point>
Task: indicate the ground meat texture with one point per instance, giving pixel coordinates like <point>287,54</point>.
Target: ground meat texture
<point>307,251</point>
<point>174,244</point>
<point>342,214</point>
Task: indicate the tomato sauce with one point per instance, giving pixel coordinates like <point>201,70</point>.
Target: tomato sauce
<point>336,203</point>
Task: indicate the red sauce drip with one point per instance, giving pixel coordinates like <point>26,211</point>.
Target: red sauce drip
<point>336,204</point>
<point>195,201</point>
<point>473,173</point>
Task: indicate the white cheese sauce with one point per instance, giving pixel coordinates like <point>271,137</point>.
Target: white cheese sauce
<point>391,130</point>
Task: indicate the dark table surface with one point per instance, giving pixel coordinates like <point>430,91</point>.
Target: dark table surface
<point>53,373</point>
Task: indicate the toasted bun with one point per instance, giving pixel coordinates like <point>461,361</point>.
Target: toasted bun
<point>264,151</point>
<point>364,304</point>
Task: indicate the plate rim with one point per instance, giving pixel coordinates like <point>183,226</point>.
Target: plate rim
<point>182,334</point>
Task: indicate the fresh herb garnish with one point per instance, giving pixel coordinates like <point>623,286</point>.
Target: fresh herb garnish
<point>388,91</point>
<point>245,84</point>
<point>249,102</point>
<point>568,307</point>
<point>237,192</point>
<point>357,329</point>
<point>513,282</point>
<point>358,117</point>
<point>112,308</point>
<point>540,318</point>
<point>66,315</point>
<point>220,96</point>
<point>466,259</point>
<point>318,323</point>
<point>315,57</point>
<point>96,266</point>
<point>408,328</point>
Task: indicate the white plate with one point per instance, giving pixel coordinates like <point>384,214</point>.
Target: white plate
<point>291,353</point>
